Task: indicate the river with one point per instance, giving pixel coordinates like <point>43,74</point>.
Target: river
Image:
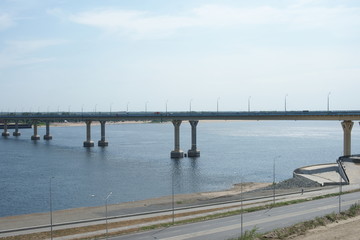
<point>137,165</point>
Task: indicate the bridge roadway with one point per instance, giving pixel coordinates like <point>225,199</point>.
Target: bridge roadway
<point>347,118</point>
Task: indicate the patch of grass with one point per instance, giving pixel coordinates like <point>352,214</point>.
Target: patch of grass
<point>301,228</point>
<point>320,221</point>
<point>248,235</point>
<point>354,210</point>
<point>331,217</point>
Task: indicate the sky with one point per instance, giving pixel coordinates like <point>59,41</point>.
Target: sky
<point>107,55</point>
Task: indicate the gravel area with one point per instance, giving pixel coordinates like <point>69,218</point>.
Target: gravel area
<point>295,182</point>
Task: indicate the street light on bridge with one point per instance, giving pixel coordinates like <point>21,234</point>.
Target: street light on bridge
<point>217,104</point>
<point>328,101</point>
<point>249,98</point>
<point>285,101</point>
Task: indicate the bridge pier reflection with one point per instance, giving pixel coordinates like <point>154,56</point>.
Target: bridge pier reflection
<point>88,142</point>
<point>102,142</point>
<point>177,153</point>
<point>47,136</point>
<point>193,152</point>
<point>347,127</point>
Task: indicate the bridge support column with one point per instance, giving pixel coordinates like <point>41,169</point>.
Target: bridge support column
<point>177,153</point>
<point>5,133</point>
<point>88,142</point>
<point>35,136</point>
<point>47,136</point>
<point>347,126</point>
<point>102,142</point>
<point>193,152</point>
<point>16,133</point>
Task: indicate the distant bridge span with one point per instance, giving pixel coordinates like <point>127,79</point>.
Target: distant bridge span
<point>347,118</point>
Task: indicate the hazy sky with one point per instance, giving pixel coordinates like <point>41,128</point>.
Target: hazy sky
<point>66,54</point>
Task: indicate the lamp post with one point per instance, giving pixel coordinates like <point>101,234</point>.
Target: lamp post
<point>106,213</point>
<point>249,98</point>
<point>274,179</point>
<point>190,104</point>
<point>340,192</point>
<point>285,101</point>
<point>217,104</point>
<point>173,199</point>
<point>50,203</point>
<point>241,210</point>
<point>166,104</point>
<point>328,101</point>
<point>127,107</point>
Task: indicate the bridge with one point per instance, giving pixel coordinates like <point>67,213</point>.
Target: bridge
<point>12,118</point>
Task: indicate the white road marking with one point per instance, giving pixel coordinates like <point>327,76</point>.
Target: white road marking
<point>255,222</point>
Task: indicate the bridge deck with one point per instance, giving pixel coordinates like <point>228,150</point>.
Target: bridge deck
<point>168,116</point>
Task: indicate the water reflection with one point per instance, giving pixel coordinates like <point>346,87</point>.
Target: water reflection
<point>176,173</point>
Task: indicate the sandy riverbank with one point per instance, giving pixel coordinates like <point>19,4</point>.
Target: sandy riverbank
<point>202,196</point>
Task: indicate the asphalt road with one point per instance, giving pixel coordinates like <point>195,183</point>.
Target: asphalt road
<point>266,220</point>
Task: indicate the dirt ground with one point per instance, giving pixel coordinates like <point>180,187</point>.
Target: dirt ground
<point>343,230</point>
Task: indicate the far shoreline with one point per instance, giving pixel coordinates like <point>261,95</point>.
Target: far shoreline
<point>95,123</point>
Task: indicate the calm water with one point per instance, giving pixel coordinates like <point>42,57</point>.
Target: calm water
<point>136,164</point>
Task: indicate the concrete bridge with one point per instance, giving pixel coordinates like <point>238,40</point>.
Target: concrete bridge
<point>347,119</point>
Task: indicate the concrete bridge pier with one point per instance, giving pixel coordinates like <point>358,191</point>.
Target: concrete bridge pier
<point>177,153</point>
<point>5,133</point>
<point>102,142</point>
<point>193,152</point>
<point>347,126</point>
<point>35,136</point>
<point>47,136</point>
<point>88,142</point>
<point>16,133</point>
